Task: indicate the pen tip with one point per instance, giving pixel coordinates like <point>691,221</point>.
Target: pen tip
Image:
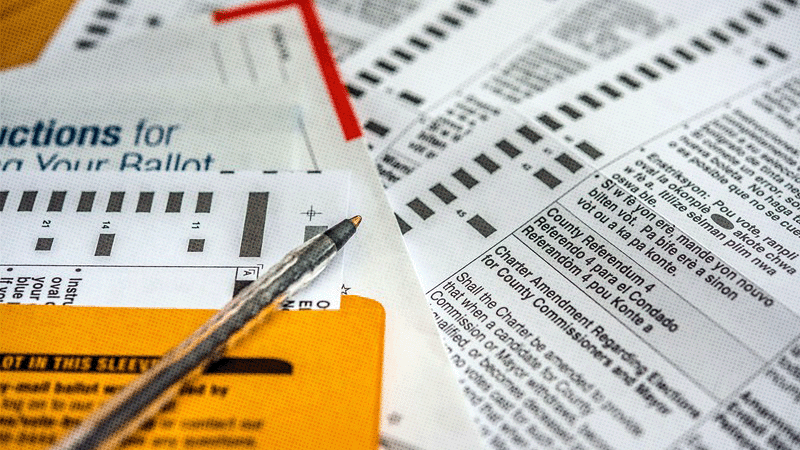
<point>355,221</point>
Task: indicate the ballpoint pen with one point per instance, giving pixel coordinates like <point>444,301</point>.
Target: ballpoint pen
<point>147,394</point>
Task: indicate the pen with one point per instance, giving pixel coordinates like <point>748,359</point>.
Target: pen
<point>147,394</point>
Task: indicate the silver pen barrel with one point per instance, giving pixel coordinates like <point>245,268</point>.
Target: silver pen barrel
<point>147,394</point>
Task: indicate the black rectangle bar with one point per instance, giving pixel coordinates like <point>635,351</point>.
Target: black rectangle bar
<point>3,198</point>
<point>174,202</point>
<point>56,201</point>
<point>753,17</point>
<point>590,101</point>
<point>465,178</point>
<point>683,53</point>
<point>27,201</point>
<point>790,2</point>
<point>419,43</point>
<point>609,91</point>
<point>508,148</point>
<point>666,63</point>
<point>386,66</point>
<point>196,245</point>
<point>97,29</point>
<point>145,202</point>
<point>83,44</point>
<point>254,221</point>
<point>487,163</point>
<point>777,51</point>
<point>481,226</point>
<point>629,81</point>
<point>702,45</point>
<point>86,201</point>
<point>404,227</point>
<point>368,77</point>
<point>647,71</point>
<point>589,150</point>
<point>435,31</point>
<point>376,128</point>
<point>569,163</point>
<point>569,111</point>
<point>419,207</point>
<point>413,98</point>
<point>106,14</point>
<point>44,244</point>
<point>719,36</point>
<point>526,132</point>
<point>466,9</point>
<point>770,8</point>
<point>549,122</point>
<point>450,20</point>
<point>238,285</point>
<point>737,27</point>
<point>312,230</point>
<point>443,193</point>
<point>104,244</point>
<point>759,61</point>
<point>204,202</point>
<point>354,91</point>
<point>402,54</point>
<point>115,202</point>
<point>547,178</point>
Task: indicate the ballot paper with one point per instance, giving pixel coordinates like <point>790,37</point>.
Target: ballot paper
<point>237,115</point>
<point>601,200</point>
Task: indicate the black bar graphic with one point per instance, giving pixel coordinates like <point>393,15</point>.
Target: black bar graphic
<point>628,81</point>
<point>44,244</point>
<point>647,71</point>
<point>753,17</point>
<point>609,91</point>
<point>368,77</point>
<point>313,230</point>
<point>569,111</point>
<point>420,208</point>
<point>487,163</point>
<point>770,8</point>
<point>569,163</point>
<point>402,54</point>
<point>118,2</point>
<point>466,9</point>
<point>264,366</point>
<point>196,245</point>
<point>549,122</point>
<point>508,148</point>
<point>3,197</point>
<point>386,66</point>
<point>759,61</point>
<point>238,285</point>
<point>86,201</point>
<point>666,63</point>
<point>719,36</point>
<point>589,149</point>
<point>413,98</point>
<point>254,220</point>
<point>547,178</point>
<point>174,202</point>
<point>145,203</point>
<point>104,244</point>
<point>464,178</point>
<point>115,202</point>
<point>737,27</point>
<point>435,31</point>
<point>443,193</point>
<point>83,44</point>
<point>354,91</point>
<point>777,51</point>
<point>56,201</point>
<point>102,30</point>
<point>106,14</point>
<point>702,45</point>
<point>204,202</point>
<point>419,43</point>
<point>450,20</point>
<point>404,227</point>
<point>590,101</point>
<point>683,53</point>
<point>27,201</point>
<point>376,128</point>
<point>481,226</point>
<point>532,136</point>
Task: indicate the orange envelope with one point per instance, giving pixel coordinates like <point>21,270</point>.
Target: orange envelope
<point>26,27</point>
<point>302,380</point>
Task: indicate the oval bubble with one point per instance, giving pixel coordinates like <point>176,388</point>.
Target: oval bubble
<point>722,221</point>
